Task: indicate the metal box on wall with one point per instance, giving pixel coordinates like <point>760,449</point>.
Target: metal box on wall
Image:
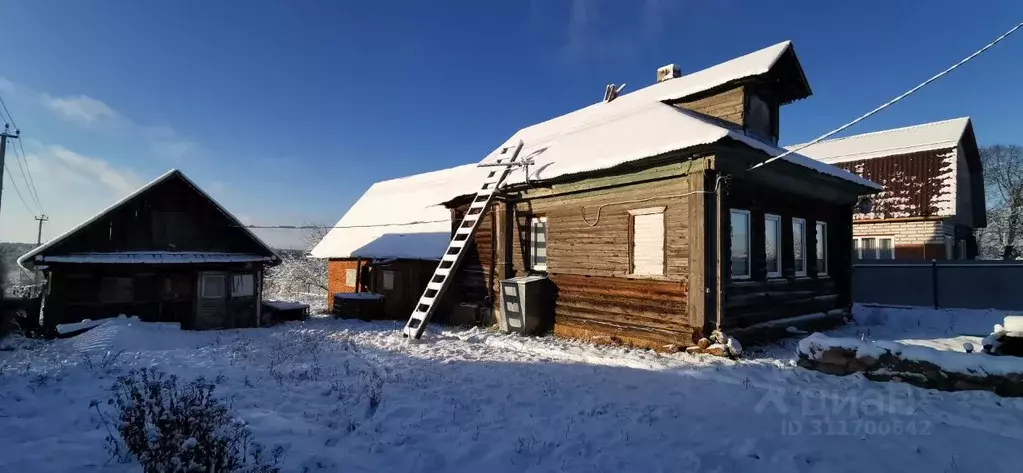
<point>526,304</point>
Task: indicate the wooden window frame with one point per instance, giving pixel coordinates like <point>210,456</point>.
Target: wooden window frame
<point>799,272</point>
<point>777,244</point>
<point>819,229</point>
<point>749,245</point>
<point>877,249</point>
<point>632,240</point>
<point>533,220</point>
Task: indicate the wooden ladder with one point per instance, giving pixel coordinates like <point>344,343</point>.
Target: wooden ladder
<point>441,279</point>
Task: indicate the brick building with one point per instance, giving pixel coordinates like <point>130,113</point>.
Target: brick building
<point>933,198</point>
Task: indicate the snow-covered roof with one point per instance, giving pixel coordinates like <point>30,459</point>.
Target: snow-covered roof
<point>911,139</point>
<point>401,218</point>
<point>154,257</point>
<point>640,125</point>
<point>631,127</point>
<point>26,260</point>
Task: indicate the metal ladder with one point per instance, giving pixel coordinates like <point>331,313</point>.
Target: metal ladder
<point>440,280</point>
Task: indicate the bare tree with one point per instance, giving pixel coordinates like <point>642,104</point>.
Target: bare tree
<point>1003,182</point>
<point>299,277</point>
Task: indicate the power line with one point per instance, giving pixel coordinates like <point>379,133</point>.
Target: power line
<point>17,191</point>
<point>25,175</point>
<point>319,227</point>
<point>892,101</point>
<point>23,164</point>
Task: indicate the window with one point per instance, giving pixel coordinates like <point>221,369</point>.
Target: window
<point>867,248</point>
<point>822,248</point>
<point>648,241</point>
<point>212,286</point>
<point>351,277</point>
<point>799,245</point>
<point>242,285</point>
<point>740,244</point>
<point>772,245</point>
<point>115,290</point>
<point>538,243</point>
<point>388,280</point>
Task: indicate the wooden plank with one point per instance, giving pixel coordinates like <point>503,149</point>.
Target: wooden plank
<point>624,177</point>
<point>696,309</point>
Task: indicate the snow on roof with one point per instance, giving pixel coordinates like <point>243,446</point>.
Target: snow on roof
<point>154,257</point>
<point>401,218</point>
<point>639,125</point>
<point>25,261</point>
<point>911,139</point>
<point>631,127</point>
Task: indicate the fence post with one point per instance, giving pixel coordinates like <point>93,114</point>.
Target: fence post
<point>934,283</point>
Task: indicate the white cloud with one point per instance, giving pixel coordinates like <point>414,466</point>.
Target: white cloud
<point>119,180</point>
<point>72,188</point>
<point>81,109</point>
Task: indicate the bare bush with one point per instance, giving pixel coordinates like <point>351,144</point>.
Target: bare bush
<point>171,428</point>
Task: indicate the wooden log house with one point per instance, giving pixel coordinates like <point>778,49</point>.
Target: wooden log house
<point>167,252</point>
<point>645,214</point>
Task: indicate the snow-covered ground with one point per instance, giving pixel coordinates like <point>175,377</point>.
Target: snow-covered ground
<point>354,396</point>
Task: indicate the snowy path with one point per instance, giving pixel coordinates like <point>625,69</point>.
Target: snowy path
<point>354,396</point>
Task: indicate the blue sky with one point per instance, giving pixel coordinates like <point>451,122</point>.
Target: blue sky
<point>287,111</point>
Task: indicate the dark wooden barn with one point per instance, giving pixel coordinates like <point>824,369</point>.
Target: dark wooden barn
<point>167,252</point>
<point>645,213</point>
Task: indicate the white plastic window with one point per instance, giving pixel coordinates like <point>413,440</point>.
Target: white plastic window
<point>772,245</point>
<point>799,245</point>
<point>740,244</point>
<point>874,247</point>
<point>822,248</point>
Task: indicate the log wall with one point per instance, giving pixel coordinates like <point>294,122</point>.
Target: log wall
<point>762,299</point>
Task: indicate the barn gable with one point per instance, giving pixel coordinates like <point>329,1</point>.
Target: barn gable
<point>169,220</point>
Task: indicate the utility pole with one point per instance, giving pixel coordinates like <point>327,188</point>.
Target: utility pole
<point>39,236</point>
<point>39,242</point>
<point>3,152</point>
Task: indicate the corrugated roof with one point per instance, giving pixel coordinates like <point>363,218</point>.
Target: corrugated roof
<point>911,139</point>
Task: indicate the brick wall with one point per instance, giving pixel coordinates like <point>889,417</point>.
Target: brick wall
<point>923,239</point>
<point>338,278</point>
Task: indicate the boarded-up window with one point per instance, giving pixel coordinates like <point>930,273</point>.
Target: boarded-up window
<point>648,241</point>
<point>350,277</point>
<point>740,241</point>
<point>115,290</point>
<point>772,245</point>
<point>242,285</point>
<point>822,248</point>
<point>538,243</point>
<point>799,245</point>
<point>388,280</point>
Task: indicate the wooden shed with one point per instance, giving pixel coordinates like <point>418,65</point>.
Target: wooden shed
<point>166,252</point>
<point>644,212</point>
<point>392,238</point>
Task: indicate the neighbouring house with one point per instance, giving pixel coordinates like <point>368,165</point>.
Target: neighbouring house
<point>390,241</point>
<point>166,252</point>
<point>933,197</point>
<point>643,212</point>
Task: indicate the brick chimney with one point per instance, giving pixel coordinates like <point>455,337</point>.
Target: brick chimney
<point>670,71</point>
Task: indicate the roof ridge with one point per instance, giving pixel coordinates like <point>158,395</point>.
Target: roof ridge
<point>882,132</point>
